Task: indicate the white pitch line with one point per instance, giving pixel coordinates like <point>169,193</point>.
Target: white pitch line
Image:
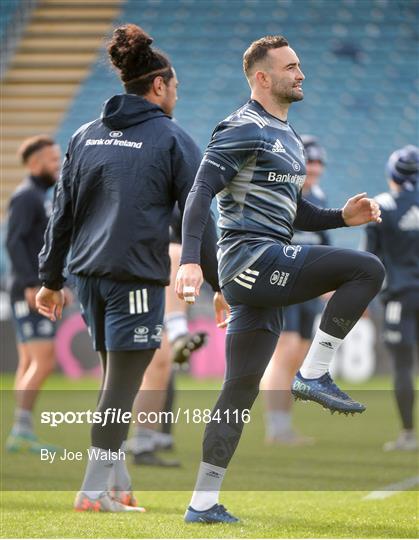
<point>392,489</point>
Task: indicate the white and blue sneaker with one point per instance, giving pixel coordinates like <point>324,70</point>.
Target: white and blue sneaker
<point>215,514</point>
<point>325,392</point>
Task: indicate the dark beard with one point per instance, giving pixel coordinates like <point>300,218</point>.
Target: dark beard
<point>288,97</point>
<point>295,97</point>
<point>47,179</point>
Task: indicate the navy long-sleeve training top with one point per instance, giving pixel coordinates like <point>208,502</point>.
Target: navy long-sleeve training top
<point>28,212</point>
<point>255,164</point>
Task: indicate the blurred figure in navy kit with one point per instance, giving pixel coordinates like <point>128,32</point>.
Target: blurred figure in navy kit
<point>299,320</point>
<point>158,391</point>
<point>396,242</point>
<point>28,213</point>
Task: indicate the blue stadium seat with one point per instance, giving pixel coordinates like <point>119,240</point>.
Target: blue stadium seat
<point>7,12</point>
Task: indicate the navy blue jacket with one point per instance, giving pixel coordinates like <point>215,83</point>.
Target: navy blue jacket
<point>28,213</point>
<point>396,241</point>
<point>113,204</point>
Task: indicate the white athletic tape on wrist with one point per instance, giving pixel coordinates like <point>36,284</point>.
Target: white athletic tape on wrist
<point>188,294</point>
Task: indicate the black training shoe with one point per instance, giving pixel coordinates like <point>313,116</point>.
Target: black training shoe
<point>154,460</point>
<point>215,514</point>
<point>184,346</point>
<point>325,392</point>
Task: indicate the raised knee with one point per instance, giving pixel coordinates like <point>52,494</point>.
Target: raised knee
<point>372,265</point>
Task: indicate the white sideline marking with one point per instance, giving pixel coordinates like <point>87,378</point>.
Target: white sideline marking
<point>392,489</point>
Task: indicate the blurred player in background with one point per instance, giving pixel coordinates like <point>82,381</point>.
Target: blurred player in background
<point>255,163</point>
<point>158,388</point>
<point>396,242</point>
<point>29,209</point>
<point>182,342</point>
<point>121,177</point>
<point>299,320</point>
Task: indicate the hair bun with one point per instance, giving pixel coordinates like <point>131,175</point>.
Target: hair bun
<point>131,53</point>
<point>130,46</point>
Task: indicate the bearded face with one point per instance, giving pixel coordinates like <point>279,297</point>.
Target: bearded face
<point>286,77</point>
<point>286,90</point>
<point>46,163</point>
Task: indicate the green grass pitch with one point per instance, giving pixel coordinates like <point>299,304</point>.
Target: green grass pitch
<point>277,492</point>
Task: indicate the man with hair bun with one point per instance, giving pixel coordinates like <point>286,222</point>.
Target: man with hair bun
<point>255,165</point>
<point>112,213</point>
<point>28,213</point>
<point>396,242</point>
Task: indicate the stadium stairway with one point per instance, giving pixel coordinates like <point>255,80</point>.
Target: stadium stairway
<point>59,45</point>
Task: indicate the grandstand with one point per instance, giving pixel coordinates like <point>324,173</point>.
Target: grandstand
<point>355,57</point>
<point>48,63</point>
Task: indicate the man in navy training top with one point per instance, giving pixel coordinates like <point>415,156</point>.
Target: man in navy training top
<point>396,242</point>
<point>255,165</point>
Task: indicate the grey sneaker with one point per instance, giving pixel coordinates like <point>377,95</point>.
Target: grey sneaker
<point>406,441</point>
<point>142,441</point>
<point>163,441</point>
<point>104,503</point>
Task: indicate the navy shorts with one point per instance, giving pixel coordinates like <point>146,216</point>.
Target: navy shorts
<point>300,317</point>
<point>401,319</point>
<point>257,295</point>
<point>121,316</point>
<point>29,324</point>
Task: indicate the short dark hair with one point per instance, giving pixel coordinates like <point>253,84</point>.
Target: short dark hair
<point>33,144</point>
<point>138,63</point>
<point>259,49</point>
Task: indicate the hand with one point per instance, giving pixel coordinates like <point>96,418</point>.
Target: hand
<point>360,210</point>
<point>188,282</point>
<point>222,310</point>
<point>50,303</point>
<point>30,294</point>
